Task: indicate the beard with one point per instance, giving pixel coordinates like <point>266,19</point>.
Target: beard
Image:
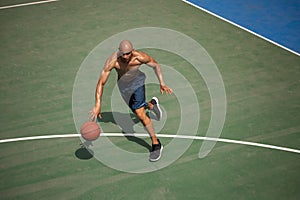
<point>126,60</point>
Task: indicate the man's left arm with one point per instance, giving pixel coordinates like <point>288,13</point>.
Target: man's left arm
<point>148,60</point>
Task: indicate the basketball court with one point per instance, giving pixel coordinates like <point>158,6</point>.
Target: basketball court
<point>231,128</point>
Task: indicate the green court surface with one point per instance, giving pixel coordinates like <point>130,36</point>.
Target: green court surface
<point>42,48</point>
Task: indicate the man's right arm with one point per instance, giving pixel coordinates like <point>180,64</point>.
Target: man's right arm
<point>96,111</point>
<point>100,86</point>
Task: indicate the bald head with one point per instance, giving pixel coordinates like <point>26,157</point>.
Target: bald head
<point>125,46</point>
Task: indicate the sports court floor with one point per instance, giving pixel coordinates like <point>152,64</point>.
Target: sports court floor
<point>43,48</point>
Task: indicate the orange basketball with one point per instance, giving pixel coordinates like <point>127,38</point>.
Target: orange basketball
<point>90,131</point>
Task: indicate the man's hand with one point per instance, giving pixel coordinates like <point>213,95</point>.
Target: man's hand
<point>95,113</point>
<point>164,88</point>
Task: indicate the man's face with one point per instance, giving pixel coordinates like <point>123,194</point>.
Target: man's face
<point>126,56</point>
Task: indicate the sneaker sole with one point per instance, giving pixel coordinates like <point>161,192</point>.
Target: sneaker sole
<point>157,103</point>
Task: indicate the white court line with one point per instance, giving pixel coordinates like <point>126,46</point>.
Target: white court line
<point>38,137</point>
<point>27,4</point>
<point>241,27</point>
<point>159,135</point>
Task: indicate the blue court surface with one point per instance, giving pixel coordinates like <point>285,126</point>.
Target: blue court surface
<point>277,21</point>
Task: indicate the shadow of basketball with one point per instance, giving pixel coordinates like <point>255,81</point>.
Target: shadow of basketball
<point>84,154</point>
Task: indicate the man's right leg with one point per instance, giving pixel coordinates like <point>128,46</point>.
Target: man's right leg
<point>157,148</point>
<point>146,121</point>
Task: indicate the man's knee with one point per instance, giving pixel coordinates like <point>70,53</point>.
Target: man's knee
<point>140,113</point>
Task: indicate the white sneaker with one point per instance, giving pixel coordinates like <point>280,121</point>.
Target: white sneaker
<point>156,109</point>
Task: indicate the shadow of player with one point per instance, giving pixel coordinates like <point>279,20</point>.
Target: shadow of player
<point>125,122</point>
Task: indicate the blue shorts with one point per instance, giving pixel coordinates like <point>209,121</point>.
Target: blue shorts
<point>133,92</point>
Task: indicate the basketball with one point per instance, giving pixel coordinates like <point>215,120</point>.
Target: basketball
<point>90,131</point>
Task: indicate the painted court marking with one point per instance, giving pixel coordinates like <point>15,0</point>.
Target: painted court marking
<point>27,4</point>
<point>159,135</point>
<point>241,27</point>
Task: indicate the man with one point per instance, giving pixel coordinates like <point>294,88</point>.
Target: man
<point>127,61</point>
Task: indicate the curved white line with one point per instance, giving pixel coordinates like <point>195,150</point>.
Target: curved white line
<point>27,4</point>
<point>159,135</point>
<point>38,137</point>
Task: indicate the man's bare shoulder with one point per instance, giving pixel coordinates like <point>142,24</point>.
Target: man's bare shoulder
<point>138,53</point>
<point>114,56</point>
<point>111,61</point>
<point>141,56</point>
